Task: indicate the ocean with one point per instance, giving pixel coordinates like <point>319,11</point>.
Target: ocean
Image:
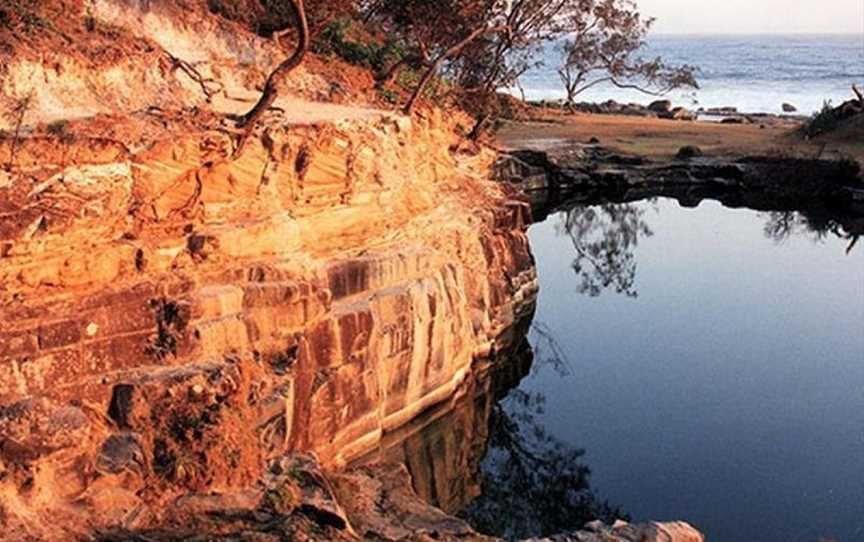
<point>756,74</point>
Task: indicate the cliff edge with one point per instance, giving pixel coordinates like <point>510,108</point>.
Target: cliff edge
<point>182,315</point>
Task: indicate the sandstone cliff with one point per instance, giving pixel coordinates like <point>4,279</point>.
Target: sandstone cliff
<point>176,312</point>
<point>206,311</point>
<point>181,317</point>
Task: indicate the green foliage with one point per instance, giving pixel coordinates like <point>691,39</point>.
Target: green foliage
<point>389,95</point>
<point>336,39</point>
<point>823,121</point>
<point>408,78</point>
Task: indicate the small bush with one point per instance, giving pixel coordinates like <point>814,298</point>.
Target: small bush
<point>823,121</point>
<point>58,127</point>
<point>336,40</point>
<point>390,96</point>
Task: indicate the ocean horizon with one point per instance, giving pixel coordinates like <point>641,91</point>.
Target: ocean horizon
<point>756,73</point>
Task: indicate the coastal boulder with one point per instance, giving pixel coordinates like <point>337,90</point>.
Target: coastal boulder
<point>678,113</point>
<point>688,151</point>
<point>660,106</point>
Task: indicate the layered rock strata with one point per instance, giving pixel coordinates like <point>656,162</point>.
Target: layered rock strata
<point>175,314</point>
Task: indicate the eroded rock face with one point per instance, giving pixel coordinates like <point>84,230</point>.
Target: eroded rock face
<point>173,316</point>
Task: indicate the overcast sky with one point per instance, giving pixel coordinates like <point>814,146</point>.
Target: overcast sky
<point>755,16</point>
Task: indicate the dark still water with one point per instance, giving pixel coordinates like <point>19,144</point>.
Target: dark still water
<point>709,362</point>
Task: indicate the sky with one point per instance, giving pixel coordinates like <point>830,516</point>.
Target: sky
<point>755,16</point>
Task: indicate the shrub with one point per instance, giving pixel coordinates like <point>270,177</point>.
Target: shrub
<point>389,95</point>
<point>336,40</point>
<point>823,121</point>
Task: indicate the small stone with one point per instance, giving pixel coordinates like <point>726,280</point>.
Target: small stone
<point>595,526</point>
<point>198,389</point>
<point>92,329</point>
<point>619,524</point>
<point>594,141</point>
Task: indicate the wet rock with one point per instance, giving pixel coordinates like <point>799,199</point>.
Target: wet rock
<point>516,171</point>
<point>722,110</point>
<point>594,141</point>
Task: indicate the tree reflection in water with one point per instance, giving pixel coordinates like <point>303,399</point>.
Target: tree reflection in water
<point>533,483</point>
<point>604,237</point>
<point>781,225</point>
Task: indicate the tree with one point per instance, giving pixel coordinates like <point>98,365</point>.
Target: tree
<point>479,45</point>
<point>308,17</point>
<point>604,238</point>
<point>607,35</point>
<point>276,80</point>
<point>438,31</point>
<point>499,60</point>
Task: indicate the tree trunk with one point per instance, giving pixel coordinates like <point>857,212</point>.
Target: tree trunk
<point>858,93</point>
<point>478,128</point>
<point>436,65</point>
<point>277,78</point>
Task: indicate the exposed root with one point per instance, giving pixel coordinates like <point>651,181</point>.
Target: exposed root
<point>204,82</point>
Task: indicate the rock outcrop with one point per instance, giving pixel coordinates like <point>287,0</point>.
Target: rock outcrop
<point>175,315</point>
<point>299,501</point>
<point>198,337</point>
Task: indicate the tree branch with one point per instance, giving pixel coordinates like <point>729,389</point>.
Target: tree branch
<point>277,78</point>
<point>451,52</point>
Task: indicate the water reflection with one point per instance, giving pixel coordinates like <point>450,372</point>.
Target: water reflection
<point>604,237</point>
<point>498,457</point>
<point>534,484</point>
<point>781,225</point>
<point>487,457</point>
<point>605,228</point>
<point>729,392</point>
